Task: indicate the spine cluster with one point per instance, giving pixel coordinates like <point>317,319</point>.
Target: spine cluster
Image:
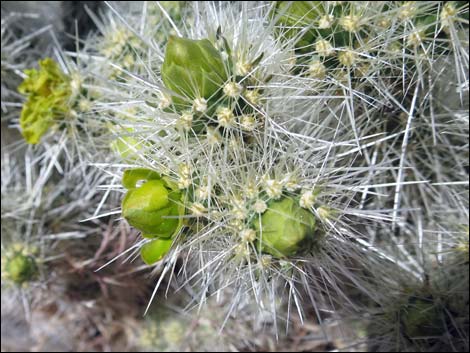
<point>283,157</point>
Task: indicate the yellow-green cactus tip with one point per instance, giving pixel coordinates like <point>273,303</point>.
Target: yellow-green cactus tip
<point>19,268</point>
<point>48,90</point>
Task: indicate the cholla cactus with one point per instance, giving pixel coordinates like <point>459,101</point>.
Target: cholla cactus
<point>20,226</point>
<point>238,164</point>
<point>245,136</point>
<point>428,315</point>
<point>274,149</point>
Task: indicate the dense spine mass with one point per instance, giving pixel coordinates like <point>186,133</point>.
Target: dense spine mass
<point>282,161</point>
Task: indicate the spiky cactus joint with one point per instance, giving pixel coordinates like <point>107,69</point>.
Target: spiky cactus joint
<point>289,154</point>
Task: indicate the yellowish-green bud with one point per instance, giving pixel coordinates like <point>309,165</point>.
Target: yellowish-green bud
<point>126,145</point>
<point>185,121</point>
<point>415,38</point>
<point>243,68</point>
<point>307,199</point>
<point>408,10</point>
<point>447,15</point>
<point>200,105</point>
<point>18,267</point>
<point>164,102</point>
<point>266,260</point>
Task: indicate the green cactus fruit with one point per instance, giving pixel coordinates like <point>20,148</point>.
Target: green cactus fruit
<point>20,268</point>
<point>284,227</point>
<point>155,250</point>
<point>148,206</point>
<point>155,208</point>
<point>193,69</point>
<point>132,176</point>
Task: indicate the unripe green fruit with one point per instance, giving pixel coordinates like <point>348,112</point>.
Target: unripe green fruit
<point>284,227</point>
<point>155,250</point>
<point>193,69</point>
<point>145,208</point>
<point>148,206</point>
<point>155,208</point>
<point>20,268</point>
